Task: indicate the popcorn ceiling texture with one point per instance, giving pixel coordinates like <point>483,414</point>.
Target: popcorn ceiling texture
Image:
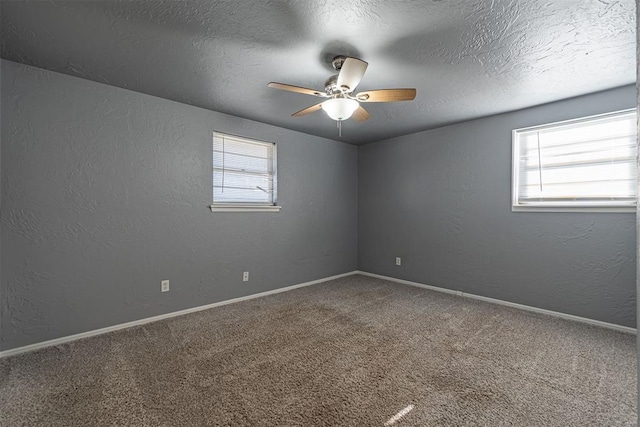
<point>351,352</point>
<point>467,58</point>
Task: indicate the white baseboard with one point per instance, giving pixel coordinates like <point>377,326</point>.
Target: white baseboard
<point>62,340</point>
<point>613,326</point>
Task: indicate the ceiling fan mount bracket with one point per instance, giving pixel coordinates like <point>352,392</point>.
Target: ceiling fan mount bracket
<point>337,62</point>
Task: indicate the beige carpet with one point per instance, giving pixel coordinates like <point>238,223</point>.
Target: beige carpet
<point>351,352</point>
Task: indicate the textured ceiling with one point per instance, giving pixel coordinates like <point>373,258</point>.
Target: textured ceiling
<point>467,59</point>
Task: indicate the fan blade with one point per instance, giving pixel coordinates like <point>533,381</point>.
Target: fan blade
<point>360,115</point>
<point>351,73</point>
<point>297,89</point>
<point>387,95</point>
<point>308,110</point>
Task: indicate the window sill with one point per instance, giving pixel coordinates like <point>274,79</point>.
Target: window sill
<point>575,209</point>
<point>245,208</point>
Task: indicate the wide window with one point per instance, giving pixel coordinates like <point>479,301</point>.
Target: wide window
<point>582,164</point>
<point>244,174</point>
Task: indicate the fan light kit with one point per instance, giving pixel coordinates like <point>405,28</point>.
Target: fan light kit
<point>341,104</point>
<point>340,108</point>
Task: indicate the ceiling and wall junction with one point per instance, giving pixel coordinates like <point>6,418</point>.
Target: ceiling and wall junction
<point>467,59</point>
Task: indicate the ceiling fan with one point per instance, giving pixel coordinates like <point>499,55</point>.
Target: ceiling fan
<point>342,103</point>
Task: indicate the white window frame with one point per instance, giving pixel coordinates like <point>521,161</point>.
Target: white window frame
<point>575,206</point>
<point>247,206</point>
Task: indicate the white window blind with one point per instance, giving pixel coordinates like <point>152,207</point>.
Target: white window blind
<point>582,163</point>
<point>244,173</point>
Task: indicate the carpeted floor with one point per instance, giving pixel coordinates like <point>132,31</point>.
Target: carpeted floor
<point>352,352</point>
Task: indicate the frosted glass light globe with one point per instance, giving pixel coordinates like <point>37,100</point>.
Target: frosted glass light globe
<point>340,108</point>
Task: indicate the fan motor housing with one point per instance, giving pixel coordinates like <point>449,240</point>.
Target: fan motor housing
<point>331,85</point>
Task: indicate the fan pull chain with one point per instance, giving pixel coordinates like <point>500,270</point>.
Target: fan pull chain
<point>339,128</point>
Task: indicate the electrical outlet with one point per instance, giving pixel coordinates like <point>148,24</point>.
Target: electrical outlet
<point>245,276</point>
<point>398,261</point>
<point>164,286</point>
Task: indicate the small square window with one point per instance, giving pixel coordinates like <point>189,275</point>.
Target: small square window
<point>244,174</point>
<point>583,164</point>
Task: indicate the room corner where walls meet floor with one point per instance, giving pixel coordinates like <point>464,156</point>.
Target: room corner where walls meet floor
<point>89,250</point>
<point>63,340</point>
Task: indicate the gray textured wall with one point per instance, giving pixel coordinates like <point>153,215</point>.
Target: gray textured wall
<point>441,200</point>
<point>638,205</point>
<point>105,193</point>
